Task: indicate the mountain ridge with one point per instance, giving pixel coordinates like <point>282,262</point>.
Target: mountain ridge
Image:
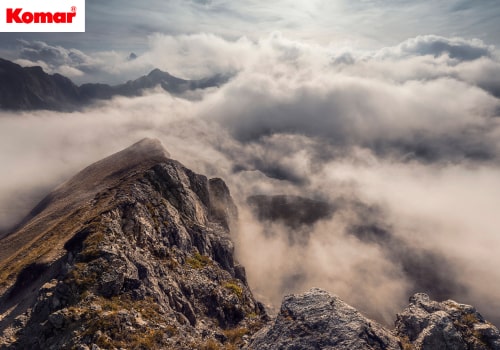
<point>143,243</point>
<point>30,88</point>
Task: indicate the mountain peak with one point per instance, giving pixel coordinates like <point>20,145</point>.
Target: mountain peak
<point>82,189</point>
<point>133,252</point>
<point>147,148</point>
<point>158,74</point>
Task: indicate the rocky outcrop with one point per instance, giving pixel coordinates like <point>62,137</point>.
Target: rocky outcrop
<point>319,320</point>
<point>145,260</point>
<point>427,324</point>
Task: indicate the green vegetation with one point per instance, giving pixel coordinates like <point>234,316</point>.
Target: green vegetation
<point>91,248</point>
<point>81,276</point>
<point>198,261</point>
<point>211,344</point>
<point>469,319</point>
<point>466,325</point>
<point>235,335</point>
<point>406,344</point>
<point>109,322</point>
<point>234,287</point>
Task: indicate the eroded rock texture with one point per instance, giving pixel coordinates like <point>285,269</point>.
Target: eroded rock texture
<point>427,324</point>
<point>147,262</point>
<point>319,320</point>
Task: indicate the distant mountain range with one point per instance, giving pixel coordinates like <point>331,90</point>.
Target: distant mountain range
<point>30,88</point>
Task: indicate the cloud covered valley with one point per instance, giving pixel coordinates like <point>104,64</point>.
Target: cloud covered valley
<point>402,142</point>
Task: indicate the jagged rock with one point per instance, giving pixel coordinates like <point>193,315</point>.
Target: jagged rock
<point>57,319</point>
<point>429,325</point>
<point>319,320</point>
<point>133,252</point>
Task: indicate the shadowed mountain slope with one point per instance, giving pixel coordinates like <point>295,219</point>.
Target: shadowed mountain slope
<point>30,88</point>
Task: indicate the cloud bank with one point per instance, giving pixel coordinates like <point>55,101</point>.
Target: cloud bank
<point>404,140</point>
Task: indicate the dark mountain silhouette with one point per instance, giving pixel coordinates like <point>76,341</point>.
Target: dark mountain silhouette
<point>25,88</point>
<point>30,88</point>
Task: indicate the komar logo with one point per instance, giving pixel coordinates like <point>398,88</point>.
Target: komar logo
<point>42,15</point>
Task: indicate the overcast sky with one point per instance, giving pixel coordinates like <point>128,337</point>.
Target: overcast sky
<point>124,25</point>
<point>115,28</point>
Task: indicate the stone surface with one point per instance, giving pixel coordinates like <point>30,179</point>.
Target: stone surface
<point>428,324</point>
<point>319,320</point>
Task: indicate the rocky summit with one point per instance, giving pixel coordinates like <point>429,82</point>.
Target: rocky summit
<point>135,252</point>
<point>318,320</point>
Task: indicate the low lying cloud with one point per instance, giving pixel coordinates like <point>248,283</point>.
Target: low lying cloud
<point>406,143</point>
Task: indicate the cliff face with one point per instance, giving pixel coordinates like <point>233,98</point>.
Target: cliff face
<point>133,252</point>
